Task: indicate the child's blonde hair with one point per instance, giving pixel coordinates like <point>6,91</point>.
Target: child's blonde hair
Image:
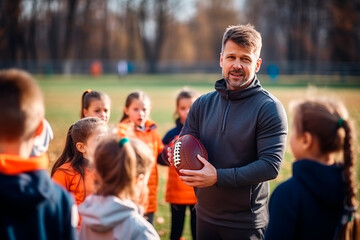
<point>21,104</point>
<point>328,121</point>
<point>118,164</point>
<point>144,156</point>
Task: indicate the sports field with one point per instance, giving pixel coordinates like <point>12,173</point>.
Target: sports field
<point>63,99</point>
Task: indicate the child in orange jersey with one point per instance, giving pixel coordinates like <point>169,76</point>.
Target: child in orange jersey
<point>178,194</point>
<point>31,205</point>
<point>136,122</point>
<point>74,168</point>
<point>95,104</point>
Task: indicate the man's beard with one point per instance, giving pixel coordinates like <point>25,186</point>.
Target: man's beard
<point>245,81</point>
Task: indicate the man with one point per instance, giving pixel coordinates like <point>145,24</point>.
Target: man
<point>243,128</point>
<point>31,205</point>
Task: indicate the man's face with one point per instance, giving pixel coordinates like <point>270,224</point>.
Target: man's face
<point>239,65</point>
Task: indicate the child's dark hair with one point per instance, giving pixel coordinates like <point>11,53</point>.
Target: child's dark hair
<point>139,95</point>
<point>78,132</point>
<point>184,94</point>
<point>328,121</point>
<point>90,95</point>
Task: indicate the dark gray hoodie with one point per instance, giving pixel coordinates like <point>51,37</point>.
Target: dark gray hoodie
<point>244,133</point>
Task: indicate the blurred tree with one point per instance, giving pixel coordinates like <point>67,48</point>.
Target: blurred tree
<point>53,15</point>
<point>31,43</point>
<point>208,26</point>
<point>69,27</point>
<point>300,34</point>
<point>305,33</point>
<point>12,42</point>
<point>153,16</point>
<point>344,31</point>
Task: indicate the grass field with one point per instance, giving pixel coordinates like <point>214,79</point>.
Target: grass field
<point>63,95</point>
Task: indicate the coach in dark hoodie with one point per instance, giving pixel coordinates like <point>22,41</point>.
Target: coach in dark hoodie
<point>31,205</point>
<point>243,128</point>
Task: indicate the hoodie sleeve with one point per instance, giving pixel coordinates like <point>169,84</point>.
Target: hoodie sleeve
<point>271,135</point>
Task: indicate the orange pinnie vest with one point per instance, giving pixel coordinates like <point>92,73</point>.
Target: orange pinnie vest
<point>178,192</point>
<point>66,176</point>
<point>71,180</point>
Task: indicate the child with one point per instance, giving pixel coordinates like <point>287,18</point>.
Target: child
<point>178,194</point>
<point>74,168</point>
<point>136,122</point>
<point>113,213</point>
<point>95,104</point>
<point>310,204</point>
<point>31,205</point>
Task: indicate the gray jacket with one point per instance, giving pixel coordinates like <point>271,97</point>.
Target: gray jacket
<point>244,133</point>
<point>112,218</point>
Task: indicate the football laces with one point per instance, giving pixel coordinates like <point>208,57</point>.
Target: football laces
<point>177,154</point>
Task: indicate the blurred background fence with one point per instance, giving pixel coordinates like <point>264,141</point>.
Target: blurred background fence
<point>273,69</point>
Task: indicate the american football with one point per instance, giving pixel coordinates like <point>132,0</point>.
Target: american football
<point>184,153</point>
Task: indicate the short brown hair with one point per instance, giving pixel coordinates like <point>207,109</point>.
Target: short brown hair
<point>21,104</point>
<point>244,35</point>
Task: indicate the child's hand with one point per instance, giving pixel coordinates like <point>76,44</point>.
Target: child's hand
<point>170,149</point>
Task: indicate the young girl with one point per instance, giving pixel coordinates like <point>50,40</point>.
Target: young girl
<point>112,213</point>
<point>95,104</point>
<point>311,203</point>
<point>178,194</point>
<point>74,169</point>
<point>136,122</point>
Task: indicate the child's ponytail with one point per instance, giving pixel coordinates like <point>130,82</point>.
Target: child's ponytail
<point>348,171</point>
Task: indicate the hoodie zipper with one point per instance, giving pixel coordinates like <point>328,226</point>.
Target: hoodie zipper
<point>225,115</point>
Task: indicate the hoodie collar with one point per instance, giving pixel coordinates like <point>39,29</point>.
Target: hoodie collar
<point>323,181</point>
<point>13,165</point>
<point>250,90</point>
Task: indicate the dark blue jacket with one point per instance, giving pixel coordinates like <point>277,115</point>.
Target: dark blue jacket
<point>34,207</point>
<point>169,136</point>
<point>308,205</point>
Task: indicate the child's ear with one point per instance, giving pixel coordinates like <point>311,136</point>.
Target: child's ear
<point>39,128</point>
<point>85,112</point>
<point>80,147</point>
<point>307,140</point>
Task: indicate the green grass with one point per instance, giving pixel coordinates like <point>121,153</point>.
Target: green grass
<point>63,94</point>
